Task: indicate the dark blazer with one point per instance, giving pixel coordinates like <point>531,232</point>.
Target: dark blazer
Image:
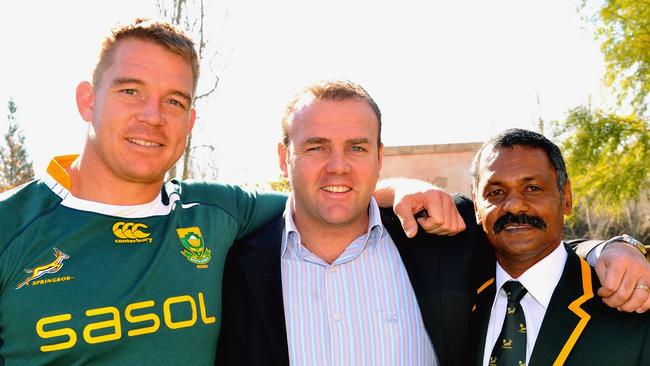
<point>253,328</point>
<point>578,328</point>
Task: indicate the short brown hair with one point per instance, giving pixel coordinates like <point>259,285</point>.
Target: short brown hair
<point>329,90</point>
<point>162,34</point>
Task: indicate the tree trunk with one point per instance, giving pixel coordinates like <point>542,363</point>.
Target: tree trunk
<point>187,158</point>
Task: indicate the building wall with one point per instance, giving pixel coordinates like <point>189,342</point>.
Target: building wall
<point>446,165</point>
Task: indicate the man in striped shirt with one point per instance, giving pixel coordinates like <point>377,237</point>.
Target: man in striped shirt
<point>346,294</point>
<point>329,284</point>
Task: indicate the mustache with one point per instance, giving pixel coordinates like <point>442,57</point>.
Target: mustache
<point>510,218</point>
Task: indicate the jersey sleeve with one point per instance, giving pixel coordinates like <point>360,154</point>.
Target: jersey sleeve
<point>19,207</point>
<point>256,208</point>
<point>249,209</point>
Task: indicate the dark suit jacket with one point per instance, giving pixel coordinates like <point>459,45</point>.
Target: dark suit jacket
<point>578,328</point>
<point>253,328</point>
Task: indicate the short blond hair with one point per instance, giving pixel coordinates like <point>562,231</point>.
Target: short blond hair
<point>159,33</point>
<point>329,90</point>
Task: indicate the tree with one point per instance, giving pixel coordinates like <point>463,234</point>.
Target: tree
<point>623,26</point>
<point>280,185</point>
<point>607,160</point>
<point>192,17</point>
<point>15,166</point>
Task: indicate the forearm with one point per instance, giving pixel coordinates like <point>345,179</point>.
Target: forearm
<point>389,188</point>
<point>412,200</point>
<point>591,250</point>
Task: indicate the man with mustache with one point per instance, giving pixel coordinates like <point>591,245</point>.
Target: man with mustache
<point>336,281</point>
<point>538,305</point>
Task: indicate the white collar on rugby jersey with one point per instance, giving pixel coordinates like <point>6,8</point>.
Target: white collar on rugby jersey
<point>58,180</point>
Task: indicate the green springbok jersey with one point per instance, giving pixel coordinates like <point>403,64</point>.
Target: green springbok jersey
<point>84,283</point>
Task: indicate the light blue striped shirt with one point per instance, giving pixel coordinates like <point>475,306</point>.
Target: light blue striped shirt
<point>360,310</point>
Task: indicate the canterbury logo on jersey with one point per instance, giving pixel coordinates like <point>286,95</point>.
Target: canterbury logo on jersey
<point>131,233</point>
<point>52,267</point>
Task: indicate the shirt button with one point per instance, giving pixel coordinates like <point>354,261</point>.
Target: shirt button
<point>334,269</point>
<point>337,316</point>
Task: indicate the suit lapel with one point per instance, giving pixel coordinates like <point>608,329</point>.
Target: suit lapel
<point>425,286</point>
<point>262,268</point>
<point>480,318</point>
<point>427,292</point>
<point>565,318</point>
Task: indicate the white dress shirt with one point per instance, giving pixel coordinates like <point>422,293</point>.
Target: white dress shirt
<point>540,281</point>
<point>359,310</point>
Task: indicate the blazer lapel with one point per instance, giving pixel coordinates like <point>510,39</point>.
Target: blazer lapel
<point>480,318</point>
<point>440,271</point>
<point>427,292</point>
<point>262,268</point>
<point>425,285</point>
<point>565,318</point>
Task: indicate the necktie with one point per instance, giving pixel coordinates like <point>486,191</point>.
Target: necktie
<point>510,348</point>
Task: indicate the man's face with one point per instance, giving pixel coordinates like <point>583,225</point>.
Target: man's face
<point>140,114</point>
<point>332,162</point>
<point>518,204</point>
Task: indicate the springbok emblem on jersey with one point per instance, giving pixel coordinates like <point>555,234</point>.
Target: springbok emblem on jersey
<point>51,267</point>
<point>194,246</point>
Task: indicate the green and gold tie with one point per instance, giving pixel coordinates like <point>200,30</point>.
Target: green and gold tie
<point>510,348</point>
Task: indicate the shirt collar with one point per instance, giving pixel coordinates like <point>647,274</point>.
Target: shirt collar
<point>58,180</point>
<point>291,236</point>
<point>375,227</point>
<point>540,279</point>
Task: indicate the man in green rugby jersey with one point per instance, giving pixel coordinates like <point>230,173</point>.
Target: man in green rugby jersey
<point>100,261</point>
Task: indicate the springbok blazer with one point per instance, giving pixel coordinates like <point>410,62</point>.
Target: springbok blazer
<point>578,328</point>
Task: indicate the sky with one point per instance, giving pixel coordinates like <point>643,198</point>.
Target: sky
<point>441,71</point>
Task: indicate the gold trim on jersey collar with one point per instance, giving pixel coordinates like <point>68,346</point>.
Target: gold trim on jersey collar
<point>56,169</point>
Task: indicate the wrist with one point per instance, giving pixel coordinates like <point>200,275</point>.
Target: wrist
<point>626,240</point>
